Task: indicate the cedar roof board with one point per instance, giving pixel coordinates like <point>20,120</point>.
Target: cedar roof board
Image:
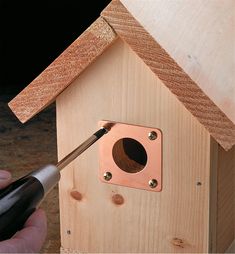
<point>173,76</point>
<point>200,36</point>
<point>49,84</point>
<point>44,89</point>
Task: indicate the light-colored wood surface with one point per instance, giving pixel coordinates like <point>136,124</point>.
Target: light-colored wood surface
<point>62,71</point>
<point>213,196</point>
<point>200,36</point>
<point>218,84</point>
<point>120,87</point>
<point>172,75</point>
<point>225,200</point>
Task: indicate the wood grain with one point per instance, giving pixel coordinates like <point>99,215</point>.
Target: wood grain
<point>199,36</point>
<point>222,199</point>
<point>225,200</point>
<point>120,87</point>
<point>44,89</point>
<point>60,73</point>
<point>172,75</point>
<point>213,199</point>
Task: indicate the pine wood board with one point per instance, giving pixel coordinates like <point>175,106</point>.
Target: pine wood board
<point>172,75</point>
<point>199,36</point>
<point>225,200</point>
<point>44,89</point>
<point>119,87</point>
<point>213,196</point>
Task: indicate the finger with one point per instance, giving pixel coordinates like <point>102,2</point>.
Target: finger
<point>5,178</point>
<point>30,238</point>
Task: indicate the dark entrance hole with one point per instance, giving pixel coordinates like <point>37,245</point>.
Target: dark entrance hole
<point>129,155</point>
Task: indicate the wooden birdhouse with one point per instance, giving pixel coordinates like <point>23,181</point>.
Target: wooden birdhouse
<point>162,179</point>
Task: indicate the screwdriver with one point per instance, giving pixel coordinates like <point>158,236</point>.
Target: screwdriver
<point>21,198</point>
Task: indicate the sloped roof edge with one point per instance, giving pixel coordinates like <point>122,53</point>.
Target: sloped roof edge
<point>50,83</point>
<point>44,89</point>
<point>172,75</point>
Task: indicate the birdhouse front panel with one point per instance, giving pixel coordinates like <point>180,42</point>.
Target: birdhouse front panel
<point>162,178</point>
<point>103,217</point>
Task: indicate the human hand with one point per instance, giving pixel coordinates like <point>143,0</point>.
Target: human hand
<point>31,238</point>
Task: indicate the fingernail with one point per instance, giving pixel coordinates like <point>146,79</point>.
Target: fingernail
<point>4,175</point>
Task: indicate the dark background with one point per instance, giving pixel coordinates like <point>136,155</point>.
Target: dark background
<point>33,33</point>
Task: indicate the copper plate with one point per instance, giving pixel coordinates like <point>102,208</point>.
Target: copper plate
<point>153,149</point>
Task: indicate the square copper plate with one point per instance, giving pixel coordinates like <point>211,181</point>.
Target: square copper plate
<point>131,156</point>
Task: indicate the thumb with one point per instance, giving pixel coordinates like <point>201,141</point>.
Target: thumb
<point>5,178</point>
<point>31,238</point>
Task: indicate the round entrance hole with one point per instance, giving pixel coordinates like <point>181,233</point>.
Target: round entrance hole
<point>129,155</point>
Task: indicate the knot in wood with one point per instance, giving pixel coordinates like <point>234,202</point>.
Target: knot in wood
<point>76,195</point>
<point>118,199</point>
<point>177,242</point>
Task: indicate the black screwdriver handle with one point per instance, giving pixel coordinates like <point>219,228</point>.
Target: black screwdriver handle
<point>17,202</point>
<point>20,199</point>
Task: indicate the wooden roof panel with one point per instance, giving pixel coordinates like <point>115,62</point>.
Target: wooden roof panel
<point>198,35</point>
<point>173,76</point>
<point>118,21</point>
<point>62,71</point>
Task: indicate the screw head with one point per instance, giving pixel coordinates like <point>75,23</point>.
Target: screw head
<point>107,176</point>
<point>152,135</point>
<point>153,183</point>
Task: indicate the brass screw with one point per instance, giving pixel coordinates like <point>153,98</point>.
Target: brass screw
<point>107,176</point>
<point>153,183</point>
<point>152,135</point>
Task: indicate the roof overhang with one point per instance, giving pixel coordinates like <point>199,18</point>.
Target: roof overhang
<point>117,21</point>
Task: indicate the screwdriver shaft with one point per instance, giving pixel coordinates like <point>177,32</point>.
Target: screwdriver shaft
<point>79,150</point>
<point>19,199</point>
